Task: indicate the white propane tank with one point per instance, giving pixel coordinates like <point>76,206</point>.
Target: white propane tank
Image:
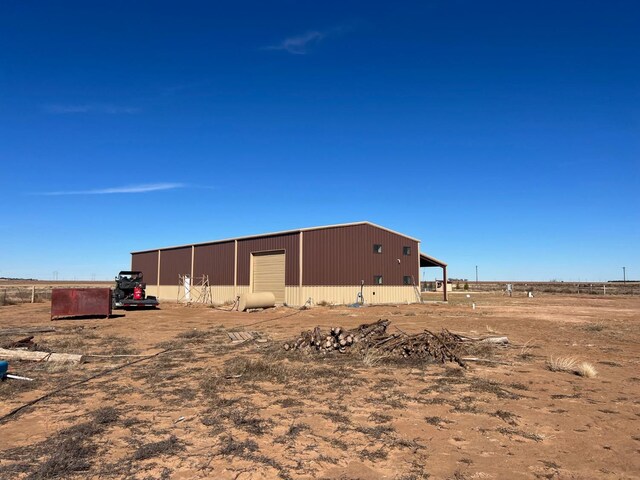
<point>256,300</point>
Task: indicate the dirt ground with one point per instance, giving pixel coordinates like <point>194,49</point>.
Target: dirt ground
<point>204,408</point>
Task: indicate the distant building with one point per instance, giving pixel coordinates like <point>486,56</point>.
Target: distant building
<point>327,264</point>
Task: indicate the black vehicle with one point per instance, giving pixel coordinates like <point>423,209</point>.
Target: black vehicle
<point>130,292</point>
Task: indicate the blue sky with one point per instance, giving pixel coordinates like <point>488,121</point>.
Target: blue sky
<point>502,134</point>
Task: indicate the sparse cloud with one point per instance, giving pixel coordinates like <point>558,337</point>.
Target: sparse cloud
<point>299,44</point>
<point>107,109</point>
<point>143,188</point>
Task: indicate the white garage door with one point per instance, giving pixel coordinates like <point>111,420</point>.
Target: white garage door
<point>268,274</point>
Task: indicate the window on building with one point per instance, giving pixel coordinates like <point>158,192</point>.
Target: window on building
<point>407,280</point>
<point>377,248</point>
<point>377,279</point>
<point>406,250</point>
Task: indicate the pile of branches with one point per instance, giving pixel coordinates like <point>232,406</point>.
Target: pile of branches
<point>444,346</point>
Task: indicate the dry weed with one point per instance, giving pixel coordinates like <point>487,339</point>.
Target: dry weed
<point>527,348</point>
<point>585,369</point>
<point>561,364</point>
<point>371,358</point>
<point>572,365</point>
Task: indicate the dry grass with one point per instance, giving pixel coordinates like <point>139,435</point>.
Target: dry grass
<point>371,358</point>
<point>585,369</point>
<point>526,351</point>
<point>572,365</point>
<point>562,364</point>
<point>154,449</point>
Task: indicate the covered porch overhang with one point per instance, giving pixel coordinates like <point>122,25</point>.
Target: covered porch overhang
<point>428,261</point>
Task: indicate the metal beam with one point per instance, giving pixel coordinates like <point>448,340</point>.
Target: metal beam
<point>444,282</point>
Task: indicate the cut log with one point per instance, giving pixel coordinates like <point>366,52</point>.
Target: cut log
<point>495,340</point>
<point>501,340</point>
<point>40,356</point>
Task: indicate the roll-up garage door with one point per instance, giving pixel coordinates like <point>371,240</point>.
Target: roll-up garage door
<point>268,274</point>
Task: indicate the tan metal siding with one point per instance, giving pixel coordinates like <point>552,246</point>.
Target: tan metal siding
<point>289,243</point>
<point>147,263</point>
<point>268,274</point>
<point>344,256</point>
<point>174,262</point>
<point>215,260</point>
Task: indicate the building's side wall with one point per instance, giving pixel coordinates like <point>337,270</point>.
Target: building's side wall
<point>289,243</point>
<point>344,295</point>
<point>147,263</point>
<point>335,261</point>
<point>297,296</point>
<point>174,262</point>
<point>219,294</point>
<point>217,261</point>
<point>344,256</point>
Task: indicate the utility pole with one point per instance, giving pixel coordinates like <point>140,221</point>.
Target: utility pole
<point>624,274</point>
<point>476,274</point>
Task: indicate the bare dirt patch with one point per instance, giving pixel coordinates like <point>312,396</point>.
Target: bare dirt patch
<point>210,409</point>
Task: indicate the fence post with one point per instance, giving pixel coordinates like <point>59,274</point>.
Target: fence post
<point>33,294</point>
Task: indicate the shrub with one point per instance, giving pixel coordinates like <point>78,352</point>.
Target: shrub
<point>585,369</point>
<point>561,364</point>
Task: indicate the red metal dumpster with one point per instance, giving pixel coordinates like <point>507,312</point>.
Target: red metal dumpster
<point>76,302</point>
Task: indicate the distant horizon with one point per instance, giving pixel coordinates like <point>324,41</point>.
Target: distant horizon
<point>460,280</point>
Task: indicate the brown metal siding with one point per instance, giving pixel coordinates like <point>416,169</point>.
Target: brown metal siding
<point>147,263</point>
<point>215,260</point>
<point>290,243</point>
<point>344,256</point>
<point>174,262</point>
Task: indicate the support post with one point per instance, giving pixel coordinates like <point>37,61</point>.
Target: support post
<point>158,279</point>
<point>444,282</point>
<point>235,268</point>
<point>193,256</point>
<point>301,300</point>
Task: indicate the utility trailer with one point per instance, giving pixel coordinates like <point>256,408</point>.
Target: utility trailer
<point>130,292</point>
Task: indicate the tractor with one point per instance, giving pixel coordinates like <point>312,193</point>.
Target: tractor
<point>130,292</point>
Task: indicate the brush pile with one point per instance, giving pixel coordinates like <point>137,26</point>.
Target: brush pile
<point>444,346</point>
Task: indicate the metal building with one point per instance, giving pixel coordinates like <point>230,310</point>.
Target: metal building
<point>332,264</point>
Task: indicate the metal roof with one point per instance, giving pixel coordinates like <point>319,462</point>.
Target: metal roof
<point>428,261</point>
<point>284,232</point>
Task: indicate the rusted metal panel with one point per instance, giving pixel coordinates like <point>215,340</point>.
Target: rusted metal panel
<point>76,302</point>
<point>147,263</point>
<point>345,256</point>
<point>174,262</point>
<point>215,260</point>
<point>289,243</point>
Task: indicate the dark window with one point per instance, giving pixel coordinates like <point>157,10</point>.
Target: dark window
<point>377,248</point>
<point>377,279</point>
<point>407,280</point>
<point>406,250</point>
